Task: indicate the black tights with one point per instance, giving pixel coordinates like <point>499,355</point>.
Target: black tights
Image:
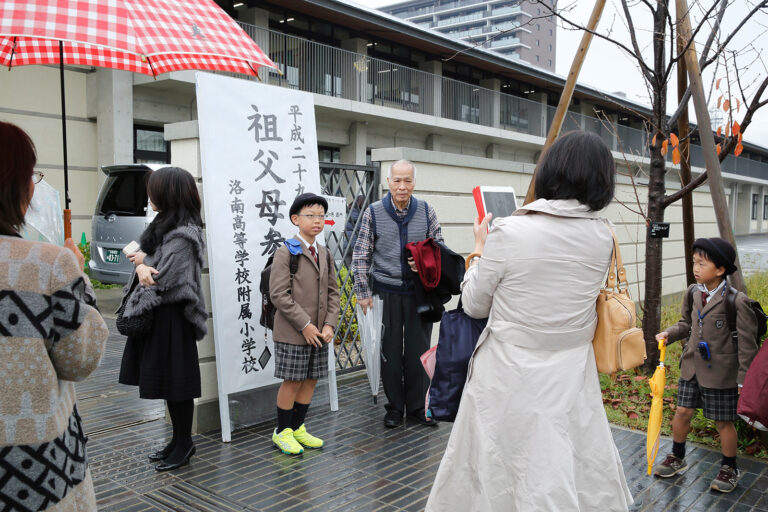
<point>181,419</point>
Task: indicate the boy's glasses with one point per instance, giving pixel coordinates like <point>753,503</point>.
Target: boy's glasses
<point>37,177</point>
<point>312,217</point>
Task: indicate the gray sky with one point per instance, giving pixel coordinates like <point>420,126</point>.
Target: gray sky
<point>611,69</point>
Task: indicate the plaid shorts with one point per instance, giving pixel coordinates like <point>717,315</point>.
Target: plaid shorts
<point>718,404</point>
<point>300,362</point>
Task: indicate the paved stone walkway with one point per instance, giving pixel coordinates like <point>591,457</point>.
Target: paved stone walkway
<point>364,466</point>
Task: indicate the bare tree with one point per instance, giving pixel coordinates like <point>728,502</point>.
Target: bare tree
<point>739,92</point>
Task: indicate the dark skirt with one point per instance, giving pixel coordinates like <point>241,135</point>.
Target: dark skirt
<point>164,363</point>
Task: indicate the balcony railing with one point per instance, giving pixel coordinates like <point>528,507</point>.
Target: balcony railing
<point>330,71</point>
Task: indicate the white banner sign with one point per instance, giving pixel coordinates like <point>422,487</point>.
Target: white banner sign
<point>258,150</point>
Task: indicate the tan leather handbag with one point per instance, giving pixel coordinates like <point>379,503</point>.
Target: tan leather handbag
<point>618,344</point>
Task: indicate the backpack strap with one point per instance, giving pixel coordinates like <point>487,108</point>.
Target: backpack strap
<point>293,267</point>
<point>730,312</point>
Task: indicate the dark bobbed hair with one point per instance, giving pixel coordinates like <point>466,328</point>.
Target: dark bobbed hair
<point>174,192</point>
<point>17,162</point>
<point>577,166</point>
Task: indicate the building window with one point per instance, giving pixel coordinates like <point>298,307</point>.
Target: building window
<point>550,62</point>
<point>328,154</point>
<point>550,32</point>
<point>754,206</point>
<point>765,207</point>
<point>538,27</point>
<point>149,146</point>
<point>538,42</point>
<point>550,47</point>
<point>537,58</point>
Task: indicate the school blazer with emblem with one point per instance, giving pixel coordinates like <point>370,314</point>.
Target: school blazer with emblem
<point>730,360</point>
<point>314,298</point>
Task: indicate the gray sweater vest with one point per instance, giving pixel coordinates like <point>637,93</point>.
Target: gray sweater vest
<point>390,236</point>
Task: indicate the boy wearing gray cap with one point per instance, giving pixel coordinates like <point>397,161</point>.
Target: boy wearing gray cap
<point>714,360</point>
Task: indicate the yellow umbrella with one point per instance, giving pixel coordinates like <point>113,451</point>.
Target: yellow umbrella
<point>657,383</point>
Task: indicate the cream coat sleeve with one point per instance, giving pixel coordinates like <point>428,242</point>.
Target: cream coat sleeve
<point>482,278</point>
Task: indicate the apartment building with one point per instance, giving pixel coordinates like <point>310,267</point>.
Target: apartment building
<point>518,29</point>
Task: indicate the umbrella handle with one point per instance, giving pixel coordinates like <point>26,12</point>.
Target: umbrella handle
<point>662,350</point>
<point>67,223</point>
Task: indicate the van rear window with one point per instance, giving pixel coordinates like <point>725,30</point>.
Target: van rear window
<point>124,194</point>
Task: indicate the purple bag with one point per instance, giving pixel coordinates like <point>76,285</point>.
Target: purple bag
<point>753,400</point>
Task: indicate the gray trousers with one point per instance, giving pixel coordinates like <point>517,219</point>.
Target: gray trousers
<point>405,338</point>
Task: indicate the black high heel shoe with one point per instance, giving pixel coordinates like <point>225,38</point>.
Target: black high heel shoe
<point>162,454</point>
<point>166,466</point>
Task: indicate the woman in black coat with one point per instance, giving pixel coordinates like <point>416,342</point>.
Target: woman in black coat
<point>166,284</point>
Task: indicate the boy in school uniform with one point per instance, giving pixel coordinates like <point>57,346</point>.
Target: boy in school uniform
<point>307,309</point>
<point>713,363</point>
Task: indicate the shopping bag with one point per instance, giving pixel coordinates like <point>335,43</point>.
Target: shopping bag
<point>753,400</point>
<point>456,343</point>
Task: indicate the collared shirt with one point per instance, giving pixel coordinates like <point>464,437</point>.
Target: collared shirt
<point>307,244</point>
<point>700,287</point>
<point>363,254</point>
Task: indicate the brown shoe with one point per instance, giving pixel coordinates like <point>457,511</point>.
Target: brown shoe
<point>726,480</point>
<point>671,466</point>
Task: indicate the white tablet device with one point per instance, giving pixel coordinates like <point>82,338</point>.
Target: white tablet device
<point>500,201</point>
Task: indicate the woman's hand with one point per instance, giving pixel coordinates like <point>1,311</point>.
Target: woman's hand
<point>312,336</point>
<point>70,244</point>
<point>327,333</point>
<point>137,258</point>
<point>145,274</point>
<point>480,227</point>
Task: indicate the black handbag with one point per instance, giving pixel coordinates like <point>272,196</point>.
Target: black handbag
<point>133,325</point>
<point>459,334</point>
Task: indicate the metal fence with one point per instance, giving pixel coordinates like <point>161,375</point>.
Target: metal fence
<point>359,186</point>
<point>323,69</point>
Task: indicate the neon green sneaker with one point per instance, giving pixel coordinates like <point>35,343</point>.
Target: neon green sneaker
<point>302,436</point>
<point>285,441</point>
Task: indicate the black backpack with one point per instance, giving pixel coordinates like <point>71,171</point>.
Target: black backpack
<point>268,309</point>
<point>730,314</point>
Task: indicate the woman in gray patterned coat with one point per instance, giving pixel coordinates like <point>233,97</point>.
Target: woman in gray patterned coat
<point>51,335</point>
<point>164,362</point>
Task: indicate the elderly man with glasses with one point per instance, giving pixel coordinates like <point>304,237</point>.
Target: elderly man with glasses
<point>386,227</point>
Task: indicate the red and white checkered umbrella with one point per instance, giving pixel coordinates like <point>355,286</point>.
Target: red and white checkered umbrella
<point>143,36</point>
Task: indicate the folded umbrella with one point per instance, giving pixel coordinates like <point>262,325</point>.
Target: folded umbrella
<point>369,326</point>
<point>655,417</point>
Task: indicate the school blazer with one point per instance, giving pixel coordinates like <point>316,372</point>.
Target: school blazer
<point>730,361</point>
<point>314,298</point>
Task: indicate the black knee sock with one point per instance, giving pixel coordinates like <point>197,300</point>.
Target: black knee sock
<point>729,461</point>
<point>678,449</point>
<point>181,417</point>
<point>299,413</point>
<point>283,419</point>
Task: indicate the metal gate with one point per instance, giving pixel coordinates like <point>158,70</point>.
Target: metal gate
<point>359,185</point>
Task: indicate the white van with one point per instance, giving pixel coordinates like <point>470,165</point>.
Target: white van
<point>121,216</point>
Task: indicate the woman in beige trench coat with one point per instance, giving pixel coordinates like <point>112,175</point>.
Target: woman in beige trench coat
<point>531,433</point>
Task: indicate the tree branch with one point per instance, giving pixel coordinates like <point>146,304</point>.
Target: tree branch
<point>758,7</point>
<point>754,106</point>
<point>646,70</point>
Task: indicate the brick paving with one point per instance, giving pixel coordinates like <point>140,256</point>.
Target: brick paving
<point>364,467</point>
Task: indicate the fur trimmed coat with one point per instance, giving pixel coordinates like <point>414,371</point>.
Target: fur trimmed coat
<point>179,261</point>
